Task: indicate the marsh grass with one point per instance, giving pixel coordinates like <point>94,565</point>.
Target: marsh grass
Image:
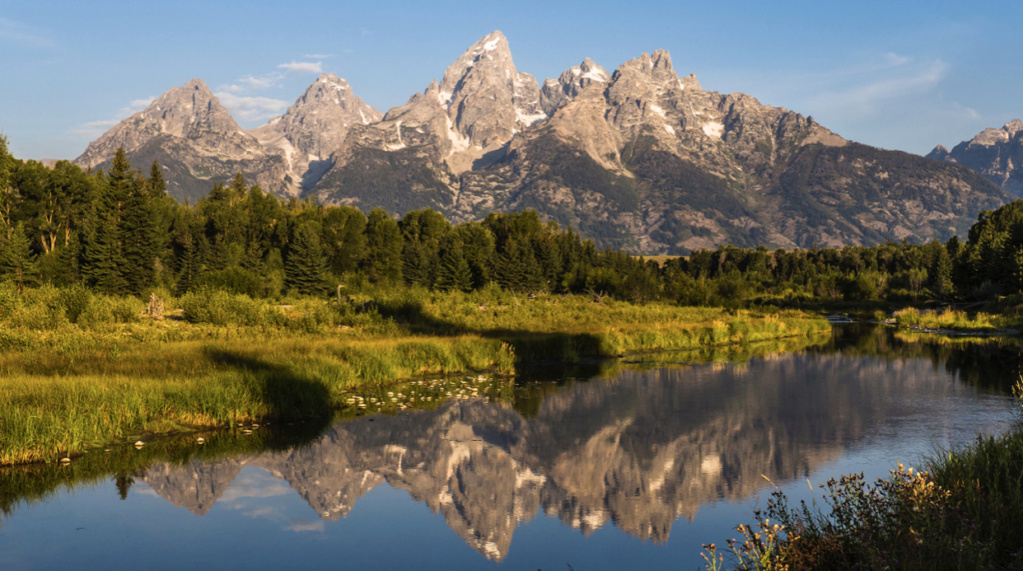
<point>955,320</point>
<point>59,404</point>
<point>78,369</point>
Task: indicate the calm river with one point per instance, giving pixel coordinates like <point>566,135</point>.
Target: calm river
<point>633,468</point>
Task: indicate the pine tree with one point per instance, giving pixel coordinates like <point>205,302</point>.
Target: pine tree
<point>417,266</point>
<point>305,268</point>
<point>102,261</point>
<point>384,246</point>
<point>344,238</point>
<point>156,185</point>
<point>7,196</point>
<point>516,268</point>
<point>941,275</point>
<point>453,272</point>
<point>139,239</point>
<point>478,250</point>
<point>70,261</point>
<point>16,260</point>
<point>119,183</point>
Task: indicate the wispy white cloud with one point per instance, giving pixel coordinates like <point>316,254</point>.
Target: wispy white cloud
<point>868,90</point>
<point>137,105</point>
<point>319,56</point>
<point>93,129</point>
<point>21,33</point>
<point>273,79</point>
<point>249,109</point>
<point>303,67</point>
<point>887,99</point>
<point>254,82</point>
<point>260,511</point>
<point>299,526</point>
<point>248,485</point>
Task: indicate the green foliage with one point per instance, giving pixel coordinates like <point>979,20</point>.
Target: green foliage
<point>104,310</point>
<point>10,299</point>
<point>39,310</point>
<point>961,517</point>
<point>17,262</point>
<point>384,247</point>
<point>305,267</point>
<point>344,239</point>
<point>454,272</point>
<point>139,238</point>
<point>217,307</point>
<point>75,299</point>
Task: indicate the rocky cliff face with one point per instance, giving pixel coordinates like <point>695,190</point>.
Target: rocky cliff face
<point>995,153</point>
<point>412,158</point>
<point>641,159</point>
<point>314,127</point>
<point>556,93</point>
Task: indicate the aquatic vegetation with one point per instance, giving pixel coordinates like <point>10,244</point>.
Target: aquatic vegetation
<point>954,320</point>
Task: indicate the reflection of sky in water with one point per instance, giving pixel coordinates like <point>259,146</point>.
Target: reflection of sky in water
<point>265,517</point>
<point>255,493</point>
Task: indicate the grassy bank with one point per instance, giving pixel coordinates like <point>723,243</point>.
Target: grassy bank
<point>79,370</point>
<point>964,511</point>
<point>953,320</point>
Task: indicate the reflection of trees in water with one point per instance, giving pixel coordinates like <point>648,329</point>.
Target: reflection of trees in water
<point>992,363</point>
<point>638,450</point>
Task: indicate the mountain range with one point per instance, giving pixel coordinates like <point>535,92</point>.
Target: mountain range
<point>639,159</point>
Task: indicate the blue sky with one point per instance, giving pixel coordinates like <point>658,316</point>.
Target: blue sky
<point>893,74</point>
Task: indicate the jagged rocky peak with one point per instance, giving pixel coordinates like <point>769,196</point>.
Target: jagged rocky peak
<point>556,93</point>
<point>657,67</point>
<point>318,122</point>
<point>646,92</point>
<point>190,112</point>
<point>487,98</point>
<point>991,136</point>
<point>995,153</point>
<point>481,102</point>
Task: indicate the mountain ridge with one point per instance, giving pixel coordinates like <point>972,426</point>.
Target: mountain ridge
<point>639,159</point>
<point>995,153</point>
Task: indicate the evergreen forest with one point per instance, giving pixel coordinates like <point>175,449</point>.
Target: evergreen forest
<point>119,233</point>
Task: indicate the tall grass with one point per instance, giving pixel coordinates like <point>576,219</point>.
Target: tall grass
<point>955,320</point>
<point>58,404</point>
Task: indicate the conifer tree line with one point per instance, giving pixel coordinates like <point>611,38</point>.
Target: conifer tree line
<point>120,233</point>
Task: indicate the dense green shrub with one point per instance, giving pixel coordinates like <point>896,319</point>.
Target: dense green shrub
<point>40,310</point>
<point>217,307</point>
<point>76,300</point>
<point>9,298</point>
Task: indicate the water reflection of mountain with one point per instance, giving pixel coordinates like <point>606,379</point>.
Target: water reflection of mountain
<point>638,450</point>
